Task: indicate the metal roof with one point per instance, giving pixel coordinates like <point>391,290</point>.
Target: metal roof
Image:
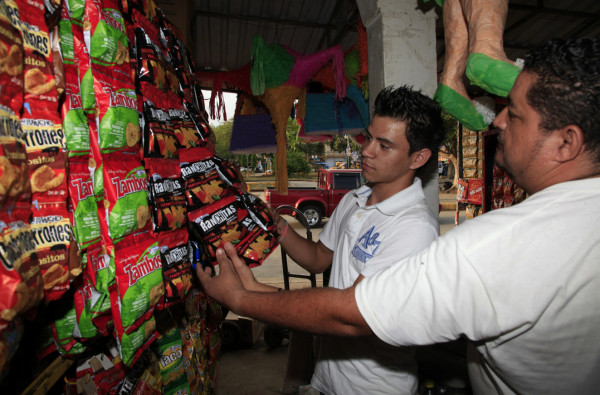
<point>221,30</point>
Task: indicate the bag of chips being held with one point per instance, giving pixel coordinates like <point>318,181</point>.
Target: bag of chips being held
<point>205,181</point>
<point>229,220</point>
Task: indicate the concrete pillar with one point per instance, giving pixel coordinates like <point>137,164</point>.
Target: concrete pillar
<point>401,42</point>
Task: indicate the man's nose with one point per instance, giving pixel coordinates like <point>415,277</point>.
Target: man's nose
<point>500,120</point>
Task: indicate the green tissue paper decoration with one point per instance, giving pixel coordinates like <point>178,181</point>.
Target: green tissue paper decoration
<point>270,66</point>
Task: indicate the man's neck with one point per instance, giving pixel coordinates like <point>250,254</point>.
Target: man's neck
<point>383,191</point>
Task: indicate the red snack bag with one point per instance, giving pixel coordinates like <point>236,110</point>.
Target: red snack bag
<point>475,191</point>
<point>139,284</point>
<point>51,228</point>
<point>15,189</point>
<point>229,220</point>
<point>205,182</point>
<point>189,131</point>
<point>159,137</point>
<point>45,142</point>
<point>11,65</point>
<point>39,81</point>
<point>126,195</point>
<point>167,195</point>
<point>153,68</point>
<point>22,286</point>
<point>177,274</point>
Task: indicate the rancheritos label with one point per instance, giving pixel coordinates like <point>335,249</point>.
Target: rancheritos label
<point>41,134</point>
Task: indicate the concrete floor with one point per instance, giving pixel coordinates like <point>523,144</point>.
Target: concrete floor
<point>256,369</point>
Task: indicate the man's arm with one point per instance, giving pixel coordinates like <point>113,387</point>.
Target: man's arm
<point>312,256</point>
<point>316,310</point>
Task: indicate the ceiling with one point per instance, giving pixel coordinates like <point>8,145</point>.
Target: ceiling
<point>221,31</point>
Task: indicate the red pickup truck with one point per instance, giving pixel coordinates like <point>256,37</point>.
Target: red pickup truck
<point>317,203</point>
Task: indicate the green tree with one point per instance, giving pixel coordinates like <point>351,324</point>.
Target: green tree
<point>297,163</point>
<point>296,144</point>
<point>340,143</point>
<point>223,136</point>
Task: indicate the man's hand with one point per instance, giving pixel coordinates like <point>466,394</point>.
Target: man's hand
<point>226,287</point>
<point>277,220</point>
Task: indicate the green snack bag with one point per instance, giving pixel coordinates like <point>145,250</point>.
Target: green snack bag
<point>139,280</point>
<point>118,114</point>
<point>86,225</point>
<point>169,351</point>
<point>126,195</point>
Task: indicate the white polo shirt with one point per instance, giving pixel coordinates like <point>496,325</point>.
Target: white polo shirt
<point>365,239</point>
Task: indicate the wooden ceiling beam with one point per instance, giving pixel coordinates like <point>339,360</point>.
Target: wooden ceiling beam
<point>254,18</point>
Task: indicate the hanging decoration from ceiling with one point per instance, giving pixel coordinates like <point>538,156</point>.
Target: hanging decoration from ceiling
<point>473,32</point>
<point>253,131</point>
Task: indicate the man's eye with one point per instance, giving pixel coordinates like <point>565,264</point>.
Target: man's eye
<point>383,146</point>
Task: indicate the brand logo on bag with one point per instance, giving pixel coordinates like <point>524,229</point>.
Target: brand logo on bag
<point>129,185</point>
<point>124,99</point>
<point>217,218</point>
<point>197,167</point>
<point>85,189</point>
<point>176,255</point>
<point>142,269</point>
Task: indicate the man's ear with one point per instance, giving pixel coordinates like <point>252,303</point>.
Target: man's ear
<point>569,143</point>
<point>419,158</point>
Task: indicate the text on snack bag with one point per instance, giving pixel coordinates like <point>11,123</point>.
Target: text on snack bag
<point>129,185</point>
<point>142,269</point>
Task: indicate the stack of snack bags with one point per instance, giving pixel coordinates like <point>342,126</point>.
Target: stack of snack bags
<point>111,192</point>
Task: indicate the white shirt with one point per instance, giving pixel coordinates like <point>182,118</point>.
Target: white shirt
<point>522,282</point>
<point>366,239</point>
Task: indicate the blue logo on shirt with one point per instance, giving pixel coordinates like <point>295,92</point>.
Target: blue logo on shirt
<point>366,246</point>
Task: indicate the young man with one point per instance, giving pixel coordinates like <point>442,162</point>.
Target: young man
<point>370,229</point>
<point>521,282</point>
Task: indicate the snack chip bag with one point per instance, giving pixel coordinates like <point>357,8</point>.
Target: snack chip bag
<point>167,195</point>
<point>139,280</point>
<point>63,329</point>
<point>131,346</point>
<point>11,61</point>
<point>86,225</point>
<point>204,180</point>
<point>189,133</point>
<point>45,144</point>
<point>106,38</point>
<point>229,220</point>
<point>14,183</point>
<point>100,270</point>
<point>82,297</point>
<point>159,137</point>
<point>177,274</point>
<point>153,68</point>
<point>169,351</point>
<point>126,195</point>
<point>19,270</point>
<point>51,229</point>
<point>118,118</point>
<point>39,81</point>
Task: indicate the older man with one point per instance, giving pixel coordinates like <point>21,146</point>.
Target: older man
<point>521,283</point>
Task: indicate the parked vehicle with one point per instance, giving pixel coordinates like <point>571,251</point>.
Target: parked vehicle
<point>318,203</point>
